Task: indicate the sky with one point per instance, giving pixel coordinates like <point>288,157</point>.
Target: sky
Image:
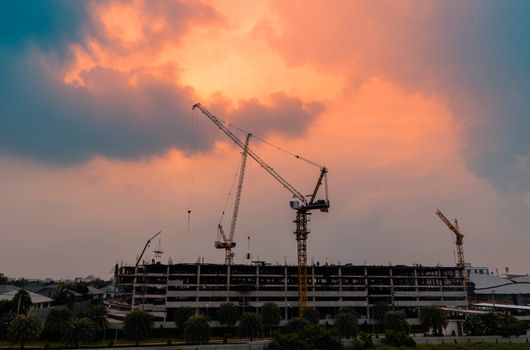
<point>412,106</point>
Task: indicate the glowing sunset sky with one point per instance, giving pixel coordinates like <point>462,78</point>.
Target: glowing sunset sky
<point>412,105</point>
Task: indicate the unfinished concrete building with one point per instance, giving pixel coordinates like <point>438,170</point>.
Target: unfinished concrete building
<point>161,289</point>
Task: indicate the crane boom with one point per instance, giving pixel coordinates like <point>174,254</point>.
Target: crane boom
<point>302,210</point>
<point>145,247</point>
<point>251,153</point>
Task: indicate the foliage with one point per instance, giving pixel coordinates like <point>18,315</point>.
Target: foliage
<point>508,325</point>
<point>58,321</point>
<point>250,325</point>
<point>98,315</point>
<point>396,321</point>
<point>397,338</point>
<point>270,313</point>
<point>432,317</point>
<point>296,325</point>
<point>494,324</point>
<point>5,320</point>
<point>474,325</point>
<point>379,310</point>
<point>3,279</point>
<point>346,324</point>
<point>366,340</point>
<point>197,329</point>
<point>65,296</point>
<point>21,302</point>
<point>23,329</point>
<point>312,315</point>
<point>309,337</point>
<point>182,314</point>
<point>138,325</point>
<point>80,330</point>
<point>227,314</point>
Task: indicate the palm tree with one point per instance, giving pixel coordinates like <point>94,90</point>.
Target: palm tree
<point>270,313</point>
<point>138,325</point>
<point>80,330</point>
<point>228,314</point>
<point>23,329</point>
<point>312,315</point>
<point>182,314</point>
<point>346,324</point>
<point>396,321</point>
<point>435,318</point>
<point>250,325</point>
<point>197,329</point>
<point>65,296</point>
<point>21,302</point>
<point>98,315</point>
<point>58,321</point>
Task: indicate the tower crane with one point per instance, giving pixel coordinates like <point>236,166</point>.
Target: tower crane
<point>303,204</point>
<point>453,226</point>
<point>228,243</point>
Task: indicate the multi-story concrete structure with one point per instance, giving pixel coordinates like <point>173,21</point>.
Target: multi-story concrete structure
<point>161,289</point>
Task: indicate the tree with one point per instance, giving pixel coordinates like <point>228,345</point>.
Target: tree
<point>379,310</point>
<point>21,302</point>
<point>396,321</point>
<point>397,329</point>
<point>270,314</point>
<point>3,279</point>
<point>296,325</point>
<point>312,315</point>
<point>310,337</point>
<point>23,329</point>
<point>197,329</point>
<point>474,325</point>
<point>182,314</point>
<point>250,325</point>
<point>346,324</point>
<point>138,325</point>
<point>432,317</point>
<point>98,315</point>
<point>508,325</point>
<point>80,330</point>
<point>58,321</point>
<point>228,314</point>
<point>65,296</point>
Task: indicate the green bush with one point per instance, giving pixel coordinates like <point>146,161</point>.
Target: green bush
<point>396,338</point>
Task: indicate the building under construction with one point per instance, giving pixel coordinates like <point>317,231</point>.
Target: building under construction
<point>161,289</point>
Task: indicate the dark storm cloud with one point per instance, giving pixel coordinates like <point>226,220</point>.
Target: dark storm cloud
<point>44,119</point>
<point>46,24</point>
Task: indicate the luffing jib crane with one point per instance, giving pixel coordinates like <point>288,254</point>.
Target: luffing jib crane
<point>303,205</point>
<point>136,267</point>
<point>228,243</point>
<point>459,245</point>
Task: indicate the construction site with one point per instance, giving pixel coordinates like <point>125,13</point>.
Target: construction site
<point>161,289</point>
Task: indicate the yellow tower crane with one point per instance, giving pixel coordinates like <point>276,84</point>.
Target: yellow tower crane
<point>303,205</point>
<point>228,243</point>
<point>461,264</point>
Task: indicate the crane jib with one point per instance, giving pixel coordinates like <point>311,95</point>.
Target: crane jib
<point>252,154</point>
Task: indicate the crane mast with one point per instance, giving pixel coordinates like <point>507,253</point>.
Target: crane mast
<point>459,245</point>
<point>228,243</point>
<point>302,205</point>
